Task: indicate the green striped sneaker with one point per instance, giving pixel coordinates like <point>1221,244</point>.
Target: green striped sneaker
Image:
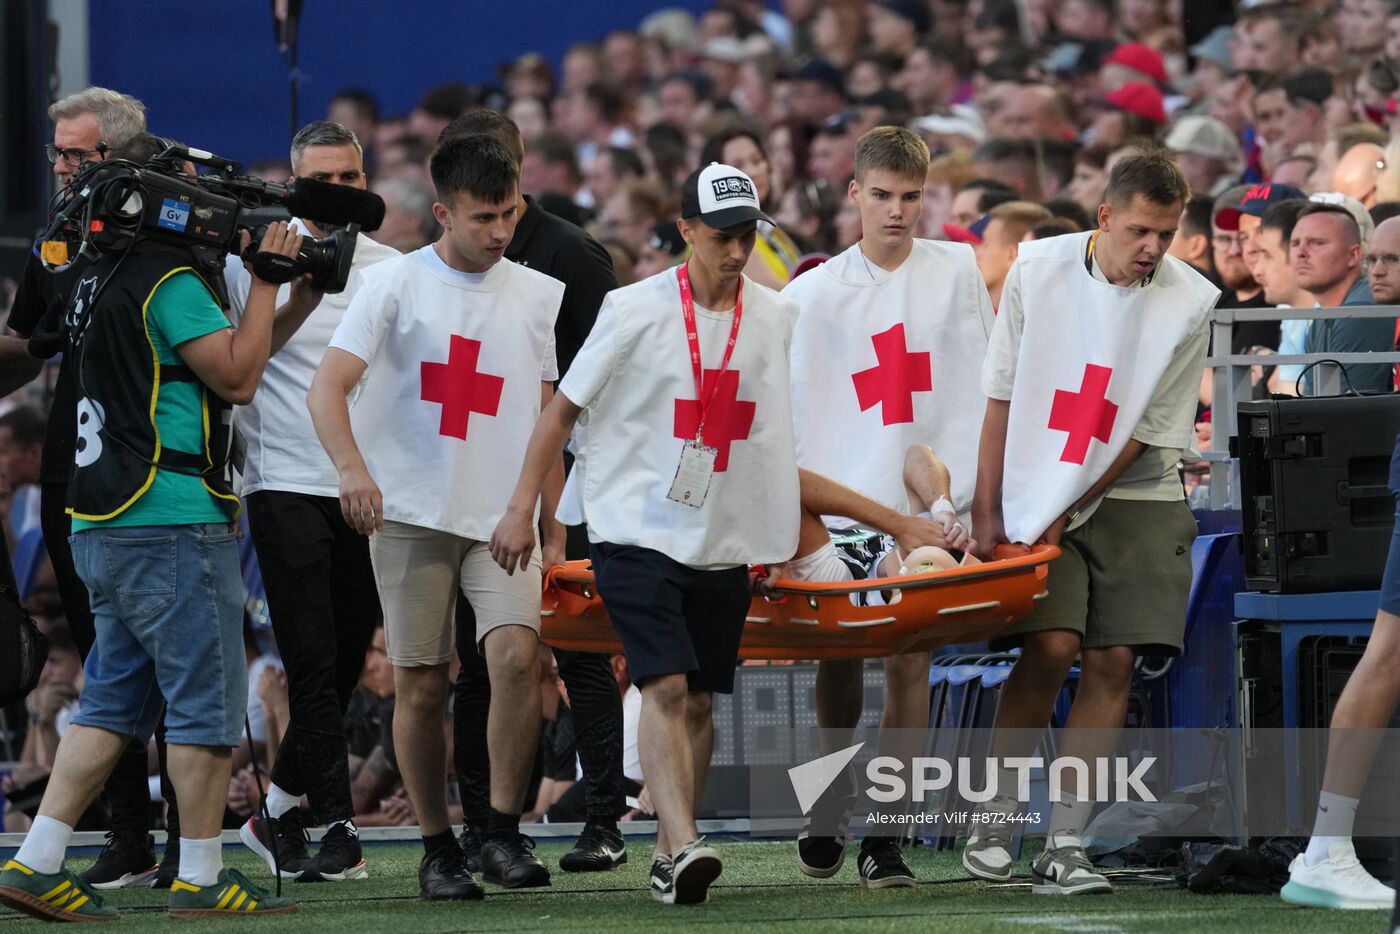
<point>233,894</point>
<point>59,896</point>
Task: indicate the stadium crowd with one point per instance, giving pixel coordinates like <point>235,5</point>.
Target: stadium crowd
<point>1279,116</point>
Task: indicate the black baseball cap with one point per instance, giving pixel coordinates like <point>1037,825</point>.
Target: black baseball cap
<point>721,196</point>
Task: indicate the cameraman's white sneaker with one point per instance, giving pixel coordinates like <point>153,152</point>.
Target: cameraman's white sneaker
<point>1339,881</point>
<point>1067,871</point>
<point>988,853</point>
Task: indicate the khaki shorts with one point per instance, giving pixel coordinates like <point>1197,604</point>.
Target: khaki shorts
<point>419,571</point>
<point>1123,578</point>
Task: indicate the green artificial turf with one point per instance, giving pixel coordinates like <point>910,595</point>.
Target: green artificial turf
<point>761,887</point>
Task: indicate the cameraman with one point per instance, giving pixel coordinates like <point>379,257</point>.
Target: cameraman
<point>156,367</point>
<point>87,126</point>
<point>315,567</point>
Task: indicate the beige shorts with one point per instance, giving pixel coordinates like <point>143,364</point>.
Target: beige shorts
<point>419,571</point>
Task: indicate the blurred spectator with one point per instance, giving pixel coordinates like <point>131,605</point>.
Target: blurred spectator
<point>437,108</point>
<point>1007,225</point>
<point>775,254</point>
<point>408,214</point>
<point>978,197</point>
<point>1273,269</point>
<point>663,249</point>
<point>946,174</point>
<point>1338,144</point>
<point>1035,111</point>
<point>1013,162</point>
<point>550,167</point>
<point>582,66</point>
<point>1090,177</point>
<point>1208,153</point>
<point>1084,19</point>
<point>1358,173</point>
<point>931,76</point>
<point>624,63</point>
<point>531,115</point>
<point>1267,38</point>
<point>818,93</point>
<point>529,76</point>
<point>1192,241</point>
<point>612,166</point>
<point>1069,211</point>
<point>838,33</point>
<point>807,211</point>
<point>1227,249</point>
<point>358,111</point>
<point>633,211</point>
<point>896,26</point>
<point>1134,110</point>
<point>684,98</point>
<point>832,156</point>
<point>51,707</point>
<point>1362,25</point>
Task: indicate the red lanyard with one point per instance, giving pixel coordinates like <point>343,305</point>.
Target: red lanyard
<point>693,339</point>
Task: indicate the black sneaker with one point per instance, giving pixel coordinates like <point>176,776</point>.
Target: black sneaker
<point>257,835</point>
<point>882,866</point>
<point>470,842</point>
<point>169,862</point>
<point>662,870</point>
<point>696,867</point>
<point>820,857</point>
<point>127,860</point>
<point>443,876</point>
<point>339,859</point>
<point>509,862</point>
<point>598,849</point>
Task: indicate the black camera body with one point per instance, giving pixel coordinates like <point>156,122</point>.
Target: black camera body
<point>112,205</point>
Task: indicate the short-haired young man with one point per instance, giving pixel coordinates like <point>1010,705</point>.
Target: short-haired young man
<point>315,567</point>
<point>565,252</point>
<point>455,348</point>
<point>153,538</point>
<point>1086,420</point>
<point>885,356</point>
<point>685,475</point>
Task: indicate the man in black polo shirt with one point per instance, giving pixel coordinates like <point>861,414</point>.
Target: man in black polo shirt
<point>87,125</point>
<point>563,251</point>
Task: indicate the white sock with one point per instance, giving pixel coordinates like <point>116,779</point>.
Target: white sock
<point>201,860</point>
<point>1336,815</point>
<point>279,802</point>
<point>44,845</point>
<point>1068,818</point>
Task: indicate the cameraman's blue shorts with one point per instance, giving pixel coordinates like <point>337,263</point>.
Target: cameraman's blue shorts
<point>167,602</point>
<point>1390,583</point>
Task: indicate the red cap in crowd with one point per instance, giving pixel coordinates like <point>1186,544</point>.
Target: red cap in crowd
<point>1140,58</point>
<point>1140,98</point>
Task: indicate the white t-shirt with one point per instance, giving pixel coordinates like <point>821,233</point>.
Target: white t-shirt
<point>452,387</point>
<point>282,453</point>
<point>884,360</point>
<point>635,382</point>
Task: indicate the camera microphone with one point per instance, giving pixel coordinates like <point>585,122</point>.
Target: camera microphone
<point>334,204</point>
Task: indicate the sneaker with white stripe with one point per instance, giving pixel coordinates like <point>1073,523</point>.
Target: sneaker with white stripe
<point>1067,870</point>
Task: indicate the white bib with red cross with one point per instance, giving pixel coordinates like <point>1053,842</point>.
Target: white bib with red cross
<point>1090,359</point>
<point>884,360</point>
<point>452,391</point>
<point>635,382</point>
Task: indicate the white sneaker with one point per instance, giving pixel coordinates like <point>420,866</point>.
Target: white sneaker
<point>988,853</point>
<point>1066,871</point>
<point>1339,881</point>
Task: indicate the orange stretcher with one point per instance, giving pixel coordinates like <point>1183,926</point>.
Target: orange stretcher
<point>814,620</point>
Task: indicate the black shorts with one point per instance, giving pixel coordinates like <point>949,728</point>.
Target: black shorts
<point>673,619</point>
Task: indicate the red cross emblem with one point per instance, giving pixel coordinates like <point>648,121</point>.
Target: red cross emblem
<point>728,420</point>
<point>894,380</point>
<point>459,388</point>
<point>1087,414</point>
